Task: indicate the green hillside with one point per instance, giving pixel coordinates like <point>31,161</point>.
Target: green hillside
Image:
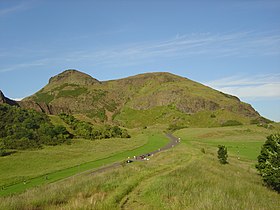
<point>140,100</point>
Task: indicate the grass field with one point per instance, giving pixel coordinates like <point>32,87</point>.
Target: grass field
<point>32,168</point>
<point>181,178</point>
<point>242,141</point>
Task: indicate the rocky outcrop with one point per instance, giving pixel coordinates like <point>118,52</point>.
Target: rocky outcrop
<point>43,107</point>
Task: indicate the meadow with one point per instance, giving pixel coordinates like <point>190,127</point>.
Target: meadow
<point>183,177</point>
<point>26,169</point>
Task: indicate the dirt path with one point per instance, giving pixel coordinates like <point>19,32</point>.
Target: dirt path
<point>173,142</point>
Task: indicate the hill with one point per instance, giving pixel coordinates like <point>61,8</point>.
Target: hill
<point>141,100</point>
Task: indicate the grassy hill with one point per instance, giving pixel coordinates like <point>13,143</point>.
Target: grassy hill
<point>141,100</point>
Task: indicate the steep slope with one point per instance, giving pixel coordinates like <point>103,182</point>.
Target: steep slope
<point>141,100</point>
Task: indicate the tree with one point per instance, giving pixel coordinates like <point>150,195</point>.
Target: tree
<point>269,162</point>
<point>222,154</point>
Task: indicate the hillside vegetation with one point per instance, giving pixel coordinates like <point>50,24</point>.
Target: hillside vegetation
<point>24,129</point>
<point>141,100</point>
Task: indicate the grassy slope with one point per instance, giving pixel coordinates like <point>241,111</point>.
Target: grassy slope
<point>66,160</point>
<point>181,178</point>
<point>170,115</point>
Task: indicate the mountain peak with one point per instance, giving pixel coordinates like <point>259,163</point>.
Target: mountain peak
<point>73,76</point>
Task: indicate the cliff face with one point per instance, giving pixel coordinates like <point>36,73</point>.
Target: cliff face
<point>43,107</point>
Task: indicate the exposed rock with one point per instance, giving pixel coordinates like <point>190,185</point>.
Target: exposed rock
<point>43,107</point>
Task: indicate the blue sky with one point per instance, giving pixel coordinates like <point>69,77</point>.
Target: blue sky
<point>232,46</point>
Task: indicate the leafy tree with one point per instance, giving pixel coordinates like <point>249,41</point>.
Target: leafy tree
<point>222,154</point>
<point>269,162</point>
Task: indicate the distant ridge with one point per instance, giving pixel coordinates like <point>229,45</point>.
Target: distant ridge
<point>140,100</point>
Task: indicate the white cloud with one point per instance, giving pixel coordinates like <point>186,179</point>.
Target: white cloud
<point>253,87</point>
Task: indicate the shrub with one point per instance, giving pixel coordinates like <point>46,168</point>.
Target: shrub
<point>269,162</point>
<point>2,150</point>
<point>231,123</point>
<point>174,127</point>
<point>222,154</point>
<point>203,150</point>
<point>213,115</point>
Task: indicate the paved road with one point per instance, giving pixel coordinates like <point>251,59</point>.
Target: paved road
<point>173,142</point>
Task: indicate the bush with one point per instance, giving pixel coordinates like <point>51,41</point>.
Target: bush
<point>222,154</point>
<point>2,150</point>
<point>174,127</point>
<point>231,123</point>
<point>203,150</point>
<point>269,162</point>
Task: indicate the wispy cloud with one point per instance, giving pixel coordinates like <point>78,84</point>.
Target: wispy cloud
<point>24,5</point>
<point>241,44</point>
<point>244,44</point>
<point>253,87</point>
<point>40,62</point>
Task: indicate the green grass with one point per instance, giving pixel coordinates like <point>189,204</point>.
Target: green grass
<point>72,93</point>
<point>180,178</point>
<point>170,114</point>
<point>241,141</point>
<point>44,97</point>
<point>157,115</point>
<point>66,160</point>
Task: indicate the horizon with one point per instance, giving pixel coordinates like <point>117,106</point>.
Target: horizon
<point>232,46</point>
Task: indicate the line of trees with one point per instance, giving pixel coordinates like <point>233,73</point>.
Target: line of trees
<point>23,129</point>
<point>86,130</point>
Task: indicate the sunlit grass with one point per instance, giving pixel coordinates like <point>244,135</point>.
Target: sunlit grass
<point>180,178</point>
<point>32,168</point>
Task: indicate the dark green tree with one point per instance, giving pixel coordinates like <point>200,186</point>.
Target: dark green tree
<point>269,162</point>
<point>222,154</point>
